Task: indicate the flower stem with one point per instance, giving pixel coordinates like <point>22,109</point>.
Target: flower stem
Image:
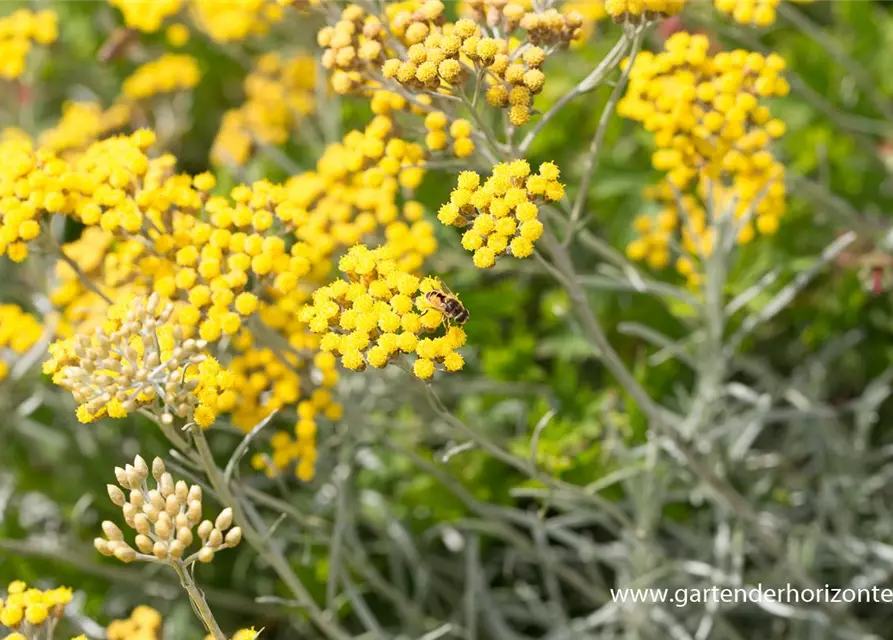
<point>260,541</point>
<point>202,610</point>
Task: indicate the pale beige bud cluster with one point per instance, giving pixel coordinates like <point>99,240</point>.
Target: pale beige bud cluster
<point>141,362</point>
<point>167,519</point>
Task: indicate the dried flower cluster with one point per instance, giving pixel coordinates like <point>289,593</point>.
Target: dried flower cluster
<point>713,134</point>
<point>278,94</point>
<point>139,359</point>
<point>381,313</point>
<point>19,31</point>
<point>503,211</point>
<point>164,519</point>
<point>441,55</point>
<point>352,48</point>
<point>29,612</point>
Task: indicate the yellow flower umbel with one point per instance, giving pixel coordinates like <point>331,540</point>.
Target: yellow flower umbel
<point>17,33</point>
<point>503,211</point>
<point>111,185</point>
<point>31,610</point>
<point>138,359</point>
<point>381,313</point>
<point>165,519</point>
<point>144,623</point>
<point>19,331</point>
<point>278,94</point>
<point>713,136</point>
<point>638,10</point>
<point>170,73</point>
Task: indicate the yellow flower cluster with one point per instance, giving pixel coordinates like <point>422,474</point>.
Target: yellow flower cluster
<point>379,313</point>
<point>223,20</point>
<point>353,195</point>
<point>82,123</point>
<point>96,188</point>
<point>31,608</point>
<point>713,137</point>
<point>278,94</point>
<point>19,331</point>
<point>144,623</point>
<point>232,20</point>
<point>18,31</point>
<point>437,138</point>
<point>502,211</point>
<point>147,15</point>
<point>264,383</point>
<point>758,13</point>
<point>222,261</point>
<point>170,73</point>
<point>353,46</point>
<point>639,10</point>
<point>139,359</point>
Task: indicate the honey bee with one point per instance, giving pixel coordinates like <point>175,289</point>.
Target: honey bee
<point>448,304</point>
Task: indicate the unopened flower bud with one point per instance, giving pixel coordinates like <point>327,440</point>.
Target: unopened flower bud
<point>157,468</point>
<point>125,554</point>
<point>144,543</point>
<point>184,535</point>
<point>151,512</point>
<point>181,491</point>
<point>181,520</point>
<point>134,480</point>
<point>225,519</point>
<point>233,537</point>
<point>160,550</point>
<point>141,524</point>
<point>204,529</point>
<point>139,464</point>
<point>121,477</point>
<point>129,512</point>
<point>137,499</point>
<point>111,530</point>
<point>156,499</point>
<point>194,513</point>
<point>166,485</point>
<point>102,546</point>
<point>172,505</point>
<point>205,554</point>
<point>115,495</point>
<point>215,538</point>
<point>163,527</point>
<point>195,493</point>
<point>176,549</point>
